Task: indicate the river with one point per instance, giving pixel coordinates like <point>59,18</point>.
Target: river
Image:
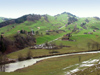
<point>11,67</point>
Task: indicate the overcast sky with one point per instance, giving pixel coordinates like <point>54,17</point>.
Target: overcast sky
<point>80,8</point>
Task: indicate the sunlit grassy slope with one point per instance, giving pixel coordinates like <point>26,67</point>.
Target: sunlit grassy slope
<point>58,22</point>
<point>52,24</point>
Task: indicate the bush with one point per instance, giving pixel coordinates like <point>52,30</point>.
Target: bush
<point>54,52</point>
<point>20,57</point>
<point>29,55</point>
<point>47,33</point>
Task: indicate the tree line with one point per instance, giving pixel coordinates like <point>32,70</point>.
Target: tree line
<point>19,42</point>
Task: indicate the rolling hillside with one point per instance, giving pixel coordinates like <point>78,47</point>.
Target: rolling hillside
<point>65,32</point>
<point>42,23</point>
<point>28,22</point>
<point>47,28</point>
<point>2,19</point>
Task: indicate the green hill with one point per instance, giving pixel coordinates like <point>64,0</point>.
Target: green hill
<point>65,32</point>
<point>28,22</point>
<point>46,27</point>
<point>2,19</point>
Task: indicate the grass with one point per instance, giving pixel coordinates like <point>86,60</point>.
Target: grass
<point>75,46</point>
<point>53,66</point>
<point>40,52</point>
<point>48,38</point>
<point>53,24</point>
<point>80,41</point>
<point>94,70</point>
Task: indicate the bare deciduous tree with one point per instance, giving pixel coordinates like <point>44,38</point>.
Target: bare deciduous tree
<point>3,59</point>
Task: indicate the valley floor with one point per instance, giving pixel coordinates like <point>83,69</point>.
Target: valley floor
<point>57,66</point>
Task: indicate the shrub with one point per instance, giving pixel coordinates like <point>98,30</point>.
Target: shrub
<point>29,55</point>
<point>20,57</point>
<point>47,33</point>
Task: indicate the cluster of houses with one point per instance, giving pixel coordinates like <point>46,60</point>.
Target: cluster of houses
<point>66,37</point>
<point>94,30</point>
<point>90,32</point>
<point>43,46</point>
<point>55,30</point>
<point>25,32</point>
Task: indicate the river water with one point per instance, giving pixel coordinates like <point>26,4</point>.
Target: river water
<point>11,67</point>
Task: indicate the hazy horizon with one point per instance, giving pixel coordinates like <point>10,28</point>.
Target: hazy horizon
<point>18,8</point>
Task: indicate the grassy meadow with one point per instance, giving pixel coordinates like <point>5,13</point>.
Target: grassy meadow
<point>53,66</point>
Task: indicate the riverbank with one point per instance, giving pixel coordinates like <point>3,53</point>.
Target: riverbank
<point>52,66</point>
<point>35,57</point>
<point>63,53</point>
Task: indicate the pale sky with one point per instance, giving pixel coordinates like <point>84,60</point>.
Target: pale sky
<point>18,8</point>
